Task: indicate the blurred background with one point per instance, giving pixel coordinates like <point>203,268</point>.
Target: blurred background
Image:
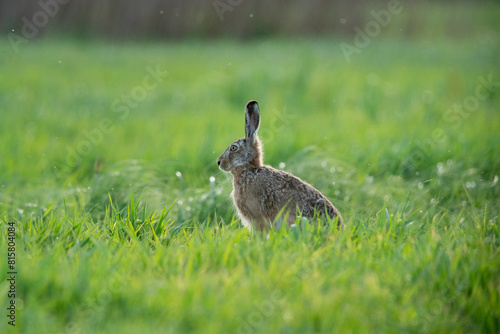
<point>107,97</point>
<point>177,19</point>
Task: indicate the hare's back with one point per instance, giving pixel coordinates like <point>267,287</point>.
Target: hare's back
<point>282,188</point>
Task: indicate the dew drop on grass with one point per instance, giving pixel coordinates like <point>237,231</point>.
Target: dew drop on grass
<point>178,174</point>
<point>282,165</point>
<point>440,168</point>
<point>470,184</point>
<point>495,181</point>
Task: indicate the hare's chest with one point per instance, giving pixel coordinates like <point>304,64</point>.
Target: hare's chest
<point>249,208</point>
<point>247,202</point>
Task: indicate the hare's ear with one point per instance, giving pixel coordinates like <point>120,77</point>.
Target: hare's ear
<point>252,120</point>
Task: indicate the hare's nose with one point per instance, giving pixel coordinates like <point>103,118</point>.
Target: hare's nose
<point>218,162</point>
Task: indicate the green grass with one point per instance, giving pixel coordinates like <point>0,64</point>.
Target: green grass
<point>138,233</point>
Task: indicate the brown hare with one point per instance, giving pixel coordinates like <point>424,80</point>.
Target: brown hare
<point>260,192</point>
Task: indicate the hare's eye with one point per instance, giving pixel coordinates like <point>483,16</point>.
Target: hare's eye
<point>233,148</point>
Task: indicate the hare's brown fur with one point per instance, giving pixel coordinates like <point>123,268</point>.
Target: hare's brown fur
<point>261,192</point>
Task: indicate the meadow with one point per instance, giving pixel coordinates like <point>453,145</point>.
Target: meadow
<point>123,222</point>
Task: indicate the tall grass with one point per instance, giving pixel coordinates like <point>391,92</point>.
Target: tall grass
<point>393,271</point>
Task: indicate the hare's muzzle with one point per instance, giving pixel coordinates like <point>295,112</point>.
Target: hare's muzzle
<point>219,163</point>
<point>222,163</point>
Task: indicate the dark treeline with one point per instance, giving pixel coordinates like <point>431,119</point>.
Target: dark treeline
<point>121,19</point>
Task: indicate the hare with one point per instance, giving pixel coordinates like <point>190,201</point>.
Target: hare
<point>263,195</point>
